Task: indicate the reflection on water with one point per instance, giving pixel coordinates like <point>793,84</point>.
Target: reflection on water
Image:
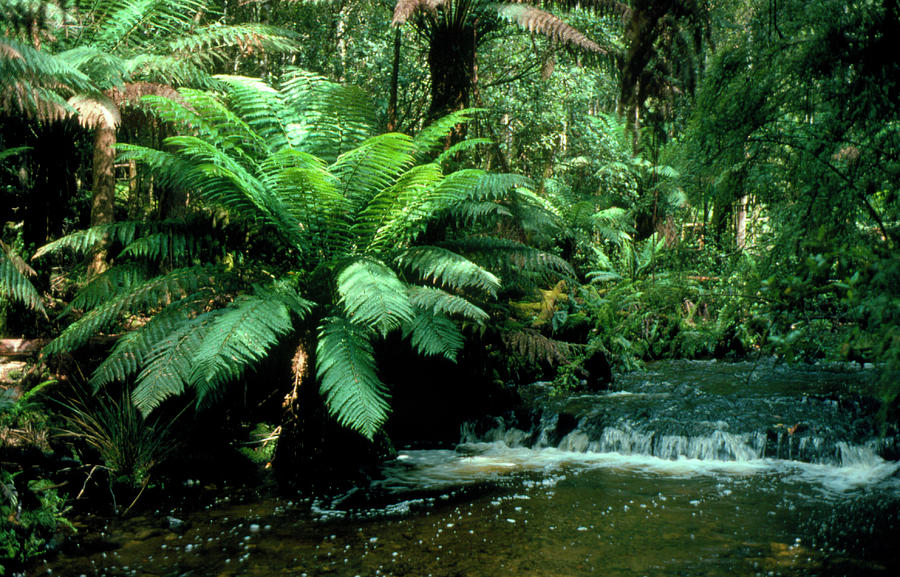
<point>547,502</point>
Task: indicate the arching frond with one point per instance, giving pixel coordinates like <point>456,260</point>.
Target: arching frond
<point>14,280</point>
<point>161,289</point>
<point>168,366</point>
<point>346,370</point>
<point>84,241</point>
<point>371,167</point>
<point>107,285</point>
<point>513,258</point>
<point>237,338</point>
<point>433,138</point>
<point>404,9</point>
<point>331,118</point>
<point>441,302</point>
<point>434,334</point>
<point>536,20</point>
<point>373,296</point>
<point>388,219</point>
<point>444,267</point>
<point>131,350</point>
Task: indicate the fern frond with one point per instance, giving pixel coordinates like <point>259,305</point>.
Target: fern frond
<point>434,334</point>
<point>132,349</point>
<point>536,20</point>
<point>330,118</point>
<point>404,9</point>
<point>512,257</point>
<point>161,289</point>
<point>84,241</point>
<point>346,370</point>
<point>373,296</point>
<point>440,302</point>
<point>238,337</point>
<point>535,347</point>
<point>444,267</point>
<point>387,220</point>
<point>433,138</point>
<point>14,283</point>
<point>106,286</point>
<point>169,364</point>
<point>371,167</point>
<point>462,146</point>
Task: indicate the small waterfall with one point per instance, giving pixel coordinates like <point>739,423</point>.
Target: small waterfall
<point>711,419</point>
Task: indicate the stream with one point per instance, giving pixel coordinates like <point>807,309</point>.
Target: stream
<point>687,468</point>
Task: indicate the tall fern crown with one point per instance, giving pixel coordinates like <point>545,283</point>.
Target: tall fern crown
<point>324,233</point>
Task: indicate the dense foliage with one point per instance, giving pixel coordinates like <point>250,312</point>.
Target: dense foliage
<point>192,191</point>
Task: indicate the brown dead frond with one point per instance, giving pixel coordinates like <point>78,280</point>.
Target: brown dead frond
<point>535,347</point>
<point>406,8</point>
<point>131,93</point>
<point>536,20</point>
<point>96,110</point>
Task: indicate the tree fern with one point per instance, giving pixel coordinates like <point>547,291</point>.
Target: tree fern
<point>346,370</point>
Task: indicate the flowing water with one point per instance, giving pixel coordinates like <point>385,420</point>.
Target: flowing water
<point>687,469</point>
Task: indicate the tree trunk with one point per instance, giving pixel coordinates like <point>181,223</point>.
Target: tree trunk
<point>395,79</point>
<point>314,452</point>
<point>451,60</point>
<point>104,188</point>
<point>740,223</point>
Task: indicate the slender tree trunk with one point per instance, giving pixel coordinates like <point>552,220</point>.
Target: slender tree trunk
<point>740,223</point>
<point>395,79</point>
<point>104,188</point>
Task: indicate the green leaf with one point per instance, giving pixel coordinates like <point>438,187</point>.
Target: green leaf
<point>433,334</point>
<point>447,268</point>
<point>346,370</point>
<point>373,296</point>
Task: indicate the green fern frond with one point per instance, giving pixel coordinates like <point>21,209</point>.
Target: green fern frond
<point>441,302</point>
<point>238,337</point>
<point>433,138</point>
<point>158,290</point>
<point>106,286</point>
<point>444,267</point>
<point>14,283</point>
<point>331,118</point>
<point>372,167</point>
<point>84,241</point>
<point>433,334</point>
<point>169,364</point>
<point>387,220</point>
<point>346,370</point>
<point>462,146</point>
<point>373,296</point>
<point>213,42</point>
<point>512,257</point>
<point>131,350</point>
<point>263,109</point>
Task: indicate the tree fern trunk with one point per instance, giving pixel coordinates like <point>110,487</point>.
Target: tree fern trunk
<point>451,60</point>
<point>314,452</point>
<point>104,187</point>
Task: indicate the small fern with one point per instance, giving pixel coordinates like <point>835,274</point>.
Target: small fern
<point>14,280</point>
